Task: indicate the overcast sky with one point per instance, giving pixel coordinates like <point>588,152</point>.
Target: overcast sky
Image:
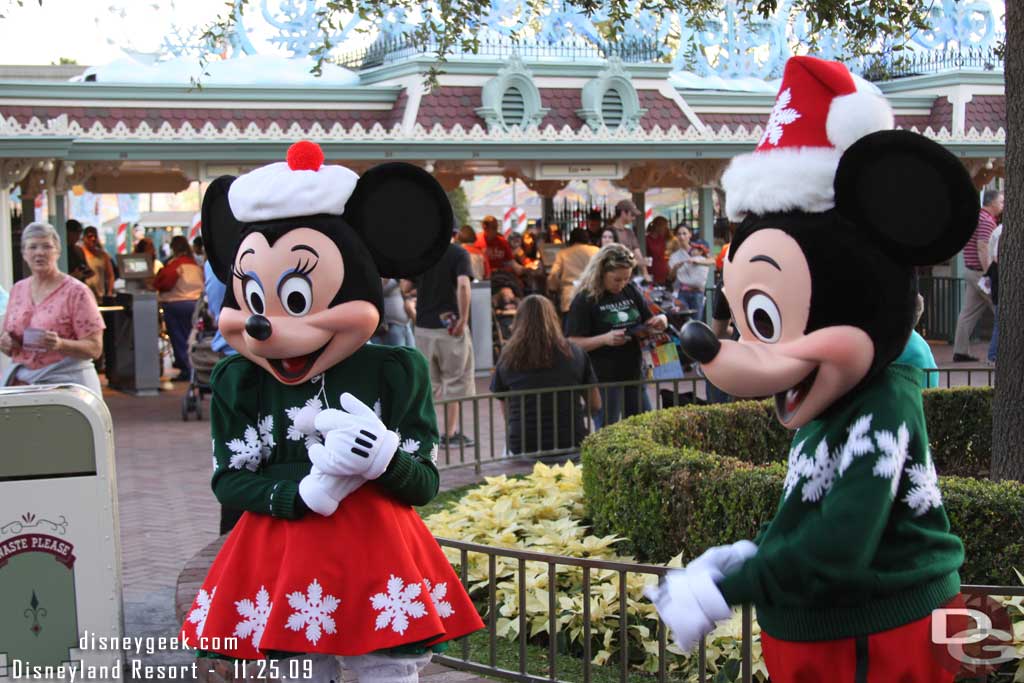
<point>92,31</point>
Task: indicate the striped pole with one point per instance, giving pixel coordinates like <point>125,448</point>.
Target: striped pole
<point>122,238</point>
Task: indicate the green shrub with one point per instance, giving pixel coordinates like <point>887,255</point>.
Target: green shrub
<point>654,480</point>
<point>960,429</point>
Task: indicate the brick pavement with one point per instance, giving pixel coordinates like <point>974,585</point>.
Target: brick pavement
<point>168,513</point>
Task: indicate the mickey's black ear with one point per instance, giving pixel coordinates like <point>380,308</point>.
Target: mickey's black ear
<point>403,216</point>
<point>220,227</point>
<point>910,194</point>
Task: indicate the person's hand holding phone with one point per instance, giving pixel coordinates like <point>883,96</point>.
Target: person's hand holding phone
<point>615,338</point>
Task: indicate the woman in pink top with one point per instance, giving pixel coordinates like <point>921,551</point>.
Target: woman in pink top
<point>53,329</point>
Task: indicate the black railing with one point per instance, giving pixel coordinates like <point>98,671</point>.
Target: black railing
<point>485,660</point>
<point>573,214</point>
<point>902,64</point>
<point>634,50</point>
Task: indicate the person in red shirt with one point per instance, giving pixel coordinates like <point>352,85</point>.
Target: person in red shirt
<point>496,249</point>
<point>658,236</point>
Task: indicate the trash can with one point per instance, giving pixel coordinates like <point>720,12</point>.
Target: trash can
<point>60,550</point>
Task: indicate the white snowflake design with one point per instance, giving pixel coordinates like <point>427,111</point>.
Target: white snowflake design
<point>376,408</point>
<point>312,610</point>
<point>251,451</point>
<point>302,419</point>
<point>410,446</point>
<point>821,476</point>
<point>781,116</point>
<point>799,466</point>
<point>895,449</point>
<point>433,454</point>
<point>437,594</point>
<point>397,605</point>
<point>202,609</point>
<point>858,443</point>
<point>254,616</point>
<point>924,494</point>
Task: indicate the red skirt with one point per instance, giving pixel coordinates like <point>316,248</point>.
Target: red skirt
<point>369,577</point>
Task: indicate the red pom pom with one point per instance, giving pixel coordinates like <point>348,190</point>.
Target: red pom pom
<point>305,156</point>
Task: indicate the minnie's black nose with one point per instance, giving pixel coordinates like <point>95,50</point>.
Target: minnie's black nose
<point>258,327</point>
<point>699,342</point>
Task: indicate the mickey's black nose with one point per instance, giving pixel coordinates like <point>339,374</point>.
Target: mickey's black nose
<point>699,342</point>
<point>258,327</point>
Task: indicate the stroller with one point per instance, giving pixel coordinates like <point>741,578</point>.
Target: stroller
<point>202,357</point>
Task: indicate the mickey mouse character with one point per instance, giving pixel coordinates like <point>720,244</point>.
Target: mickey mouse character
<point>325,441</point>
<point>836,211</point>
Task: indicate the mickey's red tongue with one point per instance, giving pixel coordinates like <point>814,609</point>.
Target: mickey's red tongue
<point>294,365</point>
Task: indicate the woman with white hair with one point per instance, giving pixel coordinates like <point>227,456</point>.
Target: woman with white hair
<point>52,329</point>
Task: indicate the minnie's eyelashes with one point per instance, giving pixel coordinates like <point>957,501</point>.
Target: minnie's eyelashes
<point>237,273</point>
<point>304,267</point>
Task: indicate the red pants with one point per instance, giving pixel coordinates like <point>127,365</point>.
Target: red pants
<point>900,655</point>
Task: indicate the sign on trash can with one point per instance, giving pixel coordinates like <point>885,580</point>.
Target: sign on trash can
<point>60,549</point>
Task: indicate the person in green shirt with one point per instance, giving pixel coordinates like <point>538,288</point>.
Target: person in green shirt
<point>326,442</point>
<point>836,212</point>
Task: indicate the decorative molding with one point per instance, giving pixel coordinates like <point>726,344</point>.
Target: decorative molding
<point>514,75</point>
<point>13,171</point>
<point>61,128</point>
<point>615,77</point>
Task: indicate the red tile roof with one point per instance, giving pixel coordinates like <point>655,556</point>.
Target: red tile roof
<point>563,103</point>
<point>450,105</point>
<point>661,112</point>
<point>986,111</point>
<point>133,116</point>
<point>733,121</point>
<point>941,116</point>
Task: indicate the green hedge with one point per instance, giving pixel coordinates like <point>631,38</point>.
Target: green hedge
<point>656,480</point>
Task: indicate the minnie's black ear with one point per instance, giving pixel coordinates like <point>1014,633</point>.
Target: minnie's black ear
<point>220,227</point>
<point>912,196</point>
<point>403,216</point>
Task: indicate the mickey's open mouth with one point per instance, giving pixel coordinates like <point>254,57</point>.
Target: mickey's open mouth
<point>789,401</point>
<point>291,369</point>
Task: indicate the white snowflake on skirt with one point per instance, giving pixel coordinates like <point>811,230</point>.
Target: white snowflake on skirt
<point>437,594</point>
<point>202,610</point>
<point>398,605</point>
<point>254,616</point>
<point>312,610</point>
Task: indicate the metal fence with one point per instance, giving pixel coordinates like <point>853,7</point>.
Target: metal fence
<point>552,421</point>
<point>572,214</point>
<point>942,301</point>
<point>902,64</point>
<point>461,655</point>
<point>634,50</point>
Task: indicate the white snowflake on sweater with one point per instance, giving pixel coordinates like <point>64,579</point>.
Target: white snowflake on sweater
<point>398,605</point>
<point>254,447</point>
<point>266,429</point>
<point>799,466</point>
<point>254,616</point>
<point>376,408</point>
<point>780,117</point>
<point>924,494</point>
<point>302,427</point>
<point>821,474</point>
<point>410,446</point>
<point>433,454</point>
<point>437,596</point>
<point>313,611</point>
<point>895,450</point>
<point>202,609</point>
<point>858,443</point>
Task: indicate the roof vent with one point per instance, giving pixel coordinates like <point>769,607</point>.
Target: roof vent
<point>513,107</point>
<point>612,109</point>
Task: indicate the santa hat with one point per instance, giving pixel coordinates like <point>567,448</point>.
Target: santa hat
<point>821,110</point>
<point>300,186</point>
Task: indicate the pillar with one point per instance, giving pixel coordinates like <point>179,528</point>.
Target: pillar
<point>706,208</point>
<point>640,199</point>
<point>7,254</point>
<point>56,218</point>
<point>547,212</point>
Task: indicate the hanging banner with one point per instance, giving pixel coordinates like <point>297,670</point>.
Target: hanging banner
<point>197,226</point>
<point>128,208</point>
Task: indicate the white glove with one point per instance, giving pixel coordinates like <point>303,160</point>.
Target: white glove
<point>723,559</point>
<point>322,493</point>
<point>689,603</point>
<point>356,442</point>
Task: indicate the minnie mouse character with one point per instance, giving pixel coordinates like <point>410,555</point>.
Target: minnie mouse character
<point>325,441</point>
<point>836,211</point>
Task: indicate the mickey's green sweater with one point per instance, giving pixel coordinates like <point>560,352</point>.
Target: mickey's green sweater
<point>260,456</point>
<point>860,542</point>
